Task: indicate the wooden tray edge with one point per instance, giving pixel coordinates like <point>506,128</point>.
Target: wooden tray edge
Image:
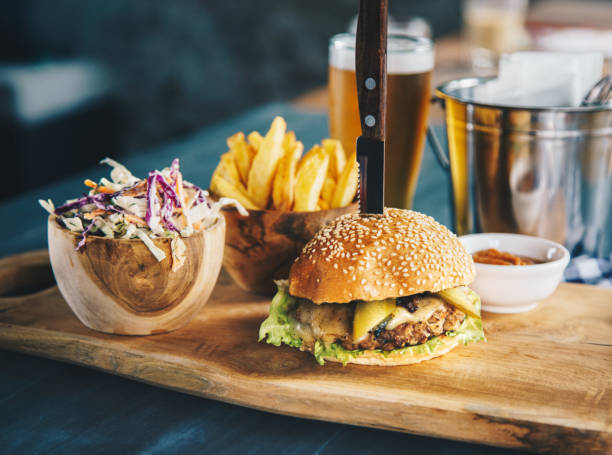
<point>214,383</point>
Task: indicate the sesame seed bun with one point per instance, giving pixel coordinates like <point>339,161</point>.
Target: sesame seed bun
<point>374,257</point>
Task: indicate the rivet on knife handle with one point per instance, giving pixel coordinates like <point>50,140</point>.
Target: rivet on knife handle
<point>371,66</point>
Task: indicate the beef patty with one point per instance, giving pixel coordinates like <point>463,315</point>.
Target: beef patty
<point>333,322</point>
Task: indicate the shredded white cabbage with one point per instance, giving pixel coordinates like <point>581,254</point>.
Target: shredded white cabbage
<point>120,173</point>
<point>88,208</point>
<point>187,232</point>
<point>112,185</point>
<point>130,232</point>
<point>106,227</point>
<point>135,206</point>
<point>199,212</point>
<point>178,253</point>
<point>74,224</point>
<point>159,254</point>
<point>226,201</point>
<point>47,205</point>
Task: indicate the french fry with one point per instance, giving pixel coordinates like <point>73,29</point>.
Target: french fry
<point>337,157</point>
<point>284,180</point>
<point>243,154</point>
<point>228,169</point>
<point>289,141</point>
<point>264,172</point>
<point>261,174</point>
<point>329,187</point>
<point>347,184</point>
<point>255,139</point>
<point>222,187</point>
<point>309,180</point>
<point>222,173</point>
<point>315,150</point>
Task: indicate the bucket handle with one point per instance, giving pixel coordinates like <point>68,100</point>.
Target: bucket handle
<point>435,144</point>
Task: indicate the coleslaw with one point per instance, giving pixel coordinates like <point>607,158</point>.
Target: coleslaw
<point>127,207</point>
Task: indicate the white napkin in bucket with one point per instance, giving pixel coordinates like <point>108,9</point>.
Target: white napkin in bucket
<point>542,79</point>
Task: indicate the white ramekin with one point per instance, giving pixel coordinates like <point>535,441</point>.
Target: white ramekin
<point>516,288</point>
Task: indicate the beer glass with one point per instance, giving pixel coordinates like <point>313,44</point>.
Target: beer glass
<point>410,63</point>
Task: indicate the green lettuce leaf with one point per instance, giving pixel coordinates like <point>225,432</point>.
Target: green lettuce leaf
<point>278,328</point>
<point>470,331</point>
<point>322,351</point>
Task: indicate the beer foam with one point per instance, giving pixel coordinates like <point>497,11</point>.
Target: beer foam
<point>405,55</point>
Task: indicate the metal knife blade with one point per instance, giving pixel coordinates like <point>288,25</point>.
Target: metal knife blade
<point>371,75</point>
<point>371,174</point>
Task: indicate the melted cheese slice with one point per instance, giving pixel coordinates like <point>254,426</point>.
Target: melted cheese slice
<point>427,307</point>
<point>369,314</point>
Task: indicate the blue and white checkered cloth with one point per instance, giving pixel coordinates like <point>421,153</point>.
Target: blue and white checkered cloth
<point>585,269</point>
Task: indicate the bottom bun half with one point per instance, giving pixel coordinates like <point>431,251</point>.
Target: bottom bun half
<point>396,358</point>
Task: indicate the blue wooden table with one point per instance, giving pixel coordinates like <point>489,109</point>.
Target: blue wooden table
<point>55,408</point>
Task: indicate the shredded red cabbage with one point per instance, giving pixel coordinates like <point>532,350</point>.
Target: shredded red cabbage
<point>84,235</point>
<point>166,187</point>
<point>151,199</point>
<point>97,199</point>
<point>174,169</point>
<point>166,213</point>
<point>108,207</point>
<point>201,198</point>
<point>101,197</point>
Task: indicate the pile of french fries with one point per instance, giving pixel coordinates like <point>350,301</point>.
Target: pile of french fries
<point>269,172</point>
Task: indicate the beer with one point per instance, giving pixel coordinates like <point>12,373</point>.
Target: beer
<point>409,68</point>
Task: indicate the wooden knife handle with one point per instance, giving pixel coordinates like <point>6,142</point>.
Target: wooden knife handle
<point>371,67</point>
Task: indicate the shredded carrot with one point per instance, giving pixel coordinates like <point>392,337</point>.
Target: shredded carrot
<point>137,190</point>
<point>105,189</point>
<point>98,188</point>
<point>94,213</point>
<point>197,225</point>
<point>181,195</point>
<point>135,219</point>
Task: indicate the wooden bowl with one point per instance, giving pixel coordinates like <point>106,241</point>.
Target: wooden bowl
<point>261,247</point>
<point>117,286</point>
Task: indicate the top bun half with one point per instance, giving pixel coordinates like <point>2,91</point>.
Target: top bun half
<point>379,256</point>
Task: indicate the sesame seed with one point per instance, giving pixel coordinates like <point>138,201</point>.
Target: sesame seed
<point>397,247</point>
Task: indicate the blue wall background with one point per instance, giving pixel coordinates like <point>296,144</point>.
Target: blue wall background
<point>179,65</point>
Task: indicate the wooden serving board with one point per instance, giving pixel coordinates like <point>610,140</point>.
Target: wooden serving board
<point>542,381</point>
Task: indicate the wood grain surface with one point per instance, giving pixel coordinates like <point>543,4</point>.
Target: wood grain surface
<point>117,286</point>
<point>542,381</point>
<point>261,247</point>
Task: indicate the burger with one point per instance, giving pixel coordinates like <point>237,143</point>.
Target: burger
<point>377,289</point>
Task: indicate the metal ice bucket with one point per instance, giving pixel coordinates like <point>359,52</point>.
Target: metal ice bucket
<point>544,172</point>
